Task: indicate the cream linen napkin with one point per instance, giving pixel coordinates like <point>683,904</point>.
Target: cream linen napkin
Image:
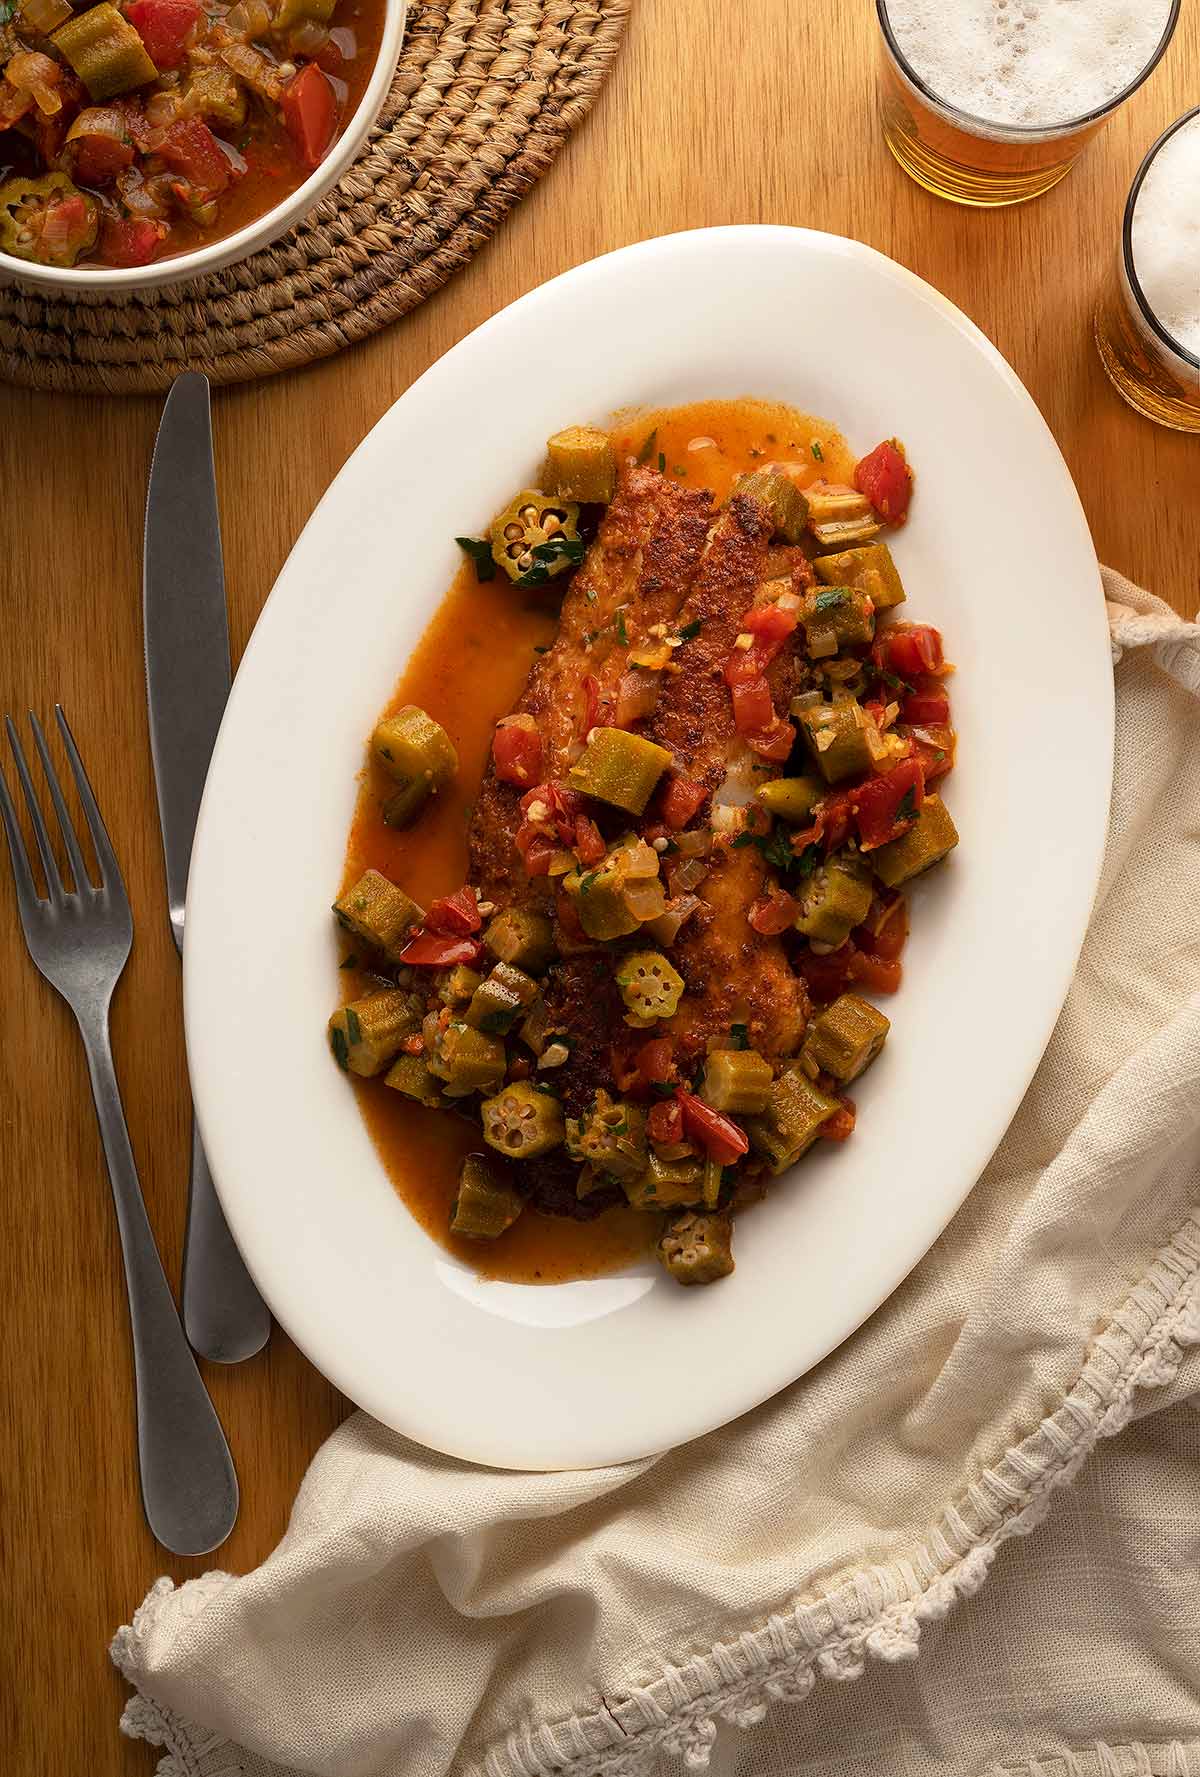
<point>421,1616</point>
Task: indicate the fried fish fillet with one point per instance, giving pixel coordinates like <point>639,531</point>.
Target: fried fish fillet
<point>732,973</point>
<point>636,576</point>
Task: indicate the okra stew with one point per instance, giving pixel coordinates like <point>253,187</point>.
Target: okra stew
<point>628,869</point>
<point>134,131</point>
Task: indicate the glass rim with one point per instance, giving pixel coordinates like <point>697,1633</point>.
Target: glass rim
<point>1135,191</point>
<point>1025,131</point>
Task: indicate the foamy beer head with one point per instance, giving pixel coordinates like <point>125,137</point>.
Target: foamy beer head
<point>1164,236</point>
<point>1028,64</point>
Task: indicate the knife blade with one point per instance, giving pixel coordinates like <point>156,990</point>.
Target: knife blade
<point>186,630</point>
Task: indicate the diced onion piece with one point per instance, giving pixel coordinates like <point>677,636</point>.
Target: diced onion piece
<point>666,927</point>
<point>99,120</point>
<point>694,844</point>
<point>726,818</point>
<point>645,900</point>
<point>33,73</point>
<point>803,700</point>
<point>689,874</point>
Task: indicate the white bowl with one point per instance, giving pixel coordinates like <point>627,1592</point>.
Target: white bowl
<point>183,267</point>
<point>996,553</point>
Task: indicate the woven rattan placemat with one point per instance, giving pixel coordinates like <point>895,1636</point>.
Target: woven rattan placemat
<point>486,93</point>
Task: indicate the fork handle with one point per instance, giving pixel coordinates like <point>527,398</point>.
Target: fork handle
<point>225,1317</point>
<point>189,1488</point>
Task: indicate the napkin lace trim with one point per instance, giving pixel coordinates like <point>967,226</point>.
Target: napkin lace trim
<point>881,1610</point>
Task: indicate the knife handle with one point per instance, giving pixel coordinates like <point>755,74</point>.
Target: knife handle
<point>225,1318</point>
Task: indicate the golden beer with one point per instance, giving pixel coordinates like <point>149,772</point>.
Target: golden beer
<point>1008,144</point>
<point>1148,320</point>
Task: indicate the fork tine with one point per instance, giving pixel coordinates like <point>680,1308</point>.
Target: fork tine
<point>106,858</point>
<point>27,895</point>
<point>66,826</point>
<point>54,885</point>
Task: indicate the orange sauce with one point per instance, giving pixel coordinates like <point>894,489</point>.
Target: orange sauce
<point>468,671</point>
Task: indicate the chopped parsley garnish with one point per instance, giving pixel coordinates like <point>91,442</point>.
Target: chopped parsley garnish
<point>892,682</point>
<point>776,849</point>
<point>690,630</point>
<point>662,463</point>
<point>341,1052</point>
<point>478,548</point>
<point>817,451</point>
<point>586,882</point>
<point>647,450</point>
<point>808,860</point>
<point>349,962</point>
<point>545,555</point>
<point>743,838</point>
<point>907,808</point>
<point>740,1035</point>
<point>831,598</point>
<point>541,647</point>
<point>622,633</point>
<point>590,593</point>
<point>353,1027</point>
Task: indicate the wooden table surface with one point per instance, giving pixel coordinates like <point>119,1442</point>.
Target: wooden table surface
<point>760,112</point>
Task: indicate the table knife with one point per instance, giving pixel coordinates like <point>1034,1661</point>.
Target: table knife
<point>187,683</point>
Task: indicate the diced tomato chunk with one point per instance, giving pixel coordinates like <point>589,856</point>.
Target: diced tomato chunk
<point>440,950</point>
<point>589,845</point>
<point>457,913</point>
<point>886,479</point>
<point>189,147</point>
<point>536,849</point>
<point>773,912</point>
<point>753,709</point>
<point>681,799</point>
<point>887,806</point>
<point>875,973</point>
<point>97,159</point>
<point>832,817</point>
<point>825,976</point>
<point>841,1124</point>
<point>551,809</point>
<point>771,622</point>
<point>665,1122</point>
<point>775,741</point>
<point>888,941</point>
<point>655,1060</point>
<point>934,744</point>
<point>719,1136</point>
<point>517,751</point>
<point>163,26</point>
<point>130,242</point>
<point>310,114</point>
<point>926,702</point>
<point>909,650</point>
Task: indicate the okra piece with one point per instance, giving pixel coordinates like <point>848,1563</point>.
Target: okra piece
<point>839,518</point>
<point>845,1038</point>
<point>791,798</point>
<point>835,899</point>
<point>468,1060</point>
<point>666,1183</point>
<point>418,753</point>
<point>836,617</point>
<point>536,538</point>
<point>792,1120</point>
<point>696,1248</point>
<point>458,985</point>
<point>105,51</point>
<point>650,986</point>
<point>378,912</point>
<point>366,1034</point>
<point>780,498</point>
<point>411,1075</point>
<point>487,1203</point>
<point>498,1002</point>
<point>927,843</point>
<point>213,92</point>
<point>621,893</point>
<point>521,937</point>
<point>581,465</point>
<point>620,768</point>
<point>522,1121</point>
<point>713,1179</point>
<point>611,1137</point>
<point>841,737</point>
<point>737,1080</point>
<point>870,568</point>
<point>289,12</point>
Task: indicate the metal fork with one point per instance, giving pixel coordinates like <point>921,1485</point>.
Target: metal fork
<point>80,941</point>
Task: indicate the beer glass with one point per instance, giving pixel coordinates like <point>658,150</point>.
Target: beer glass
<point>1148,341</point>
<point>993,160</point>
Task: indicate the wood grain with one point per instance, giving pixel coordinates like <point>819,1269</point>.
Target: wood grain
<point>714,114</point>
